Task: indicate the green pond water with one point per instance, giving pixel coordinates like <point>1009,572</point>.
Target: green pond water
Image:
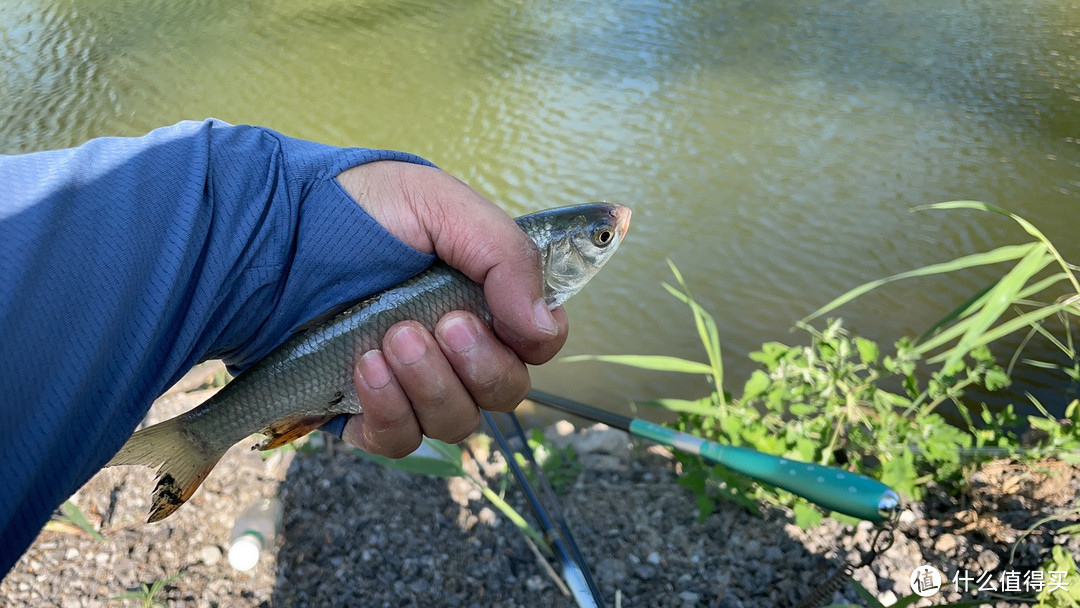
<point>772,149</point>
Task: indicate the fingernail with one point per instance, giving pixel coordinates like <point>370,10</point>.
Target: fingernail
<point>459,333</point>
<point>407,345</point>
<point>543,318</point>
<point>373,369</point>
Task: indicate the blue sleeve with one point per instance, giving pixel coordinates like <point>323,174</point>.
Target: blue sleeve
<point>126,261</point>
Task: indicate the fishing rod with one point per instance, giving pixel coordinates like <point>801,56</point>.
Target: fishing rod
<point>575,570</point>
<point>832,488</point>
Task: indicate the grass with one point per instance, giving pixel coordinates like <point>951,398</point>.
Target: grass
<point>844,400</point>
<point>71,520</point>
<point>147,595</point>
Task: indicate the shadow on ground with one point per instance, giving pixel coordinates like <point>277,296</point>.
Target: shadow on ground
<point>358,534</point>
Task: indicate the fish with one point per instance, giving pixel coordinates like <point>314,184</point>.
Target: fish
<point>308,379</point>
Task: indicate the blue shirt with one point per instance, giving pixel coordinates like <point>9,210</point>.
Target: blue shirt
<point>126,261</point>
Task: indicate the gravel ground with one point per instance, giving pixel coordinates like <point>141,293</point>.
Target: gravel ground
<point>356,534</point>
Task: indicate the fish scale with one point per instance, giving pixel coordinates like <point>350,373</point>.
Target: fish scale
<point>311,374</point>
<point>308,380</point>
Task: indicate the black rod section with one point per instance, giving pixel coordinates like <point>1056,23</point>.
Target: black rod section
<point>589,412</point>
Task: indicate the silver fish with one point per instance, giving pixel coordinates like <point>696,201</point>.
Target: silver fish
<point>307,381</point>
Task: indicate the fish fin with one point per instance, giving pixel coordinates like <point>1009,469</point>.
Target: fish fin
<point>181,463</point>
<point>288,430</point>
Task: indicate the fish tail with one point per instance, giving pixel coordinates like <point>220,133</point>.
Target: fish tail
<point>181,460</point>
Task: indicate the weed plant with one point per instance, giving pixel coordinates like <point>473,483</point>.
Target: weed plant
<point>843,400</point>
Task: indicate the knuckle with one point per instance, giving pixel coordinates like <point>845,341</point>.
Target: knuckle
<point>462,430</point>
<point>427,391</point>
<point>400,448</point>
<point>387,415</point>
<point>500,387</point>
<point>495,389</point>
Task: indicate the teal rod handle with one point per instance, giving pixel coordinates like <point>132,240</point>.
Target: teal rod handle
<point>832,488</point>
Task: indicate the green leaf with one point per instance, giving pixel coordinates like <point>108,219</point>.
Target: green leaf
<point>996,256</point>
<point>806,516</point>
<point>706,327</point>
<point>996,379</point>
<point>864,593</point>
<point>756,385</point>
<point>1010,326</point>
<point>450,452</point>
<point>1026,225</point>
<point>844,519</point>
<point>1042,285</point>
<point>423,465</point>
<point>699,407</point>
<point>899,472</point>
<point>969,306</point>
<point>975,205</point>
<point>703,321</point>
<point>868,350</point>
<point>770,354</point>
<point>660,363</point>
<point>706,506</point>
<point>963,327</point>
<point>73,514</point>
<point>1046,425</point>
<point>999,299</point>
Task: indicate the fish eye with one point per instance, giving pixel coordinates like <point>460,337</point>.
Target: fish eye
<point>603,236</point>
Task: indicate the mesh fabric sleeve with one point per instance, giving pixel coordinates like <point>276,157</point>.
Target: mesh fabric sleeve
<point>126,261</point>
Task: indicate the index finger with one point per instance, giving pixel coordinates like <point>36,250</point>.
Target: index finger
<point>474,236</point>
<point>433,212</point>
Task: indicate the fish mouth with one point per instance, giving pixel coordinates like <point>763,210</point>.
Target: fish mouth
<point>622,215</point>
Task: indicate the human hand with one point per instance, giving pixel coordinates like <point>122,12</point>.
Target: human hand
<point>422,384</point>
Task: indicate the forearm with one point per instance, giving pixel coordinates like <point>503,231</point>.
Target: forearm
<point>126,261</point>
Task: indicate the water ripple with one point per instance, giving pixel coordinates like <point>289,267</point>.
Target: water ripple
<point>773,150</point>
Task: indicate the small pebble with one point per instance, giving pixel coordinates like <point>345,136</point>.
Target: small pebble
<point>610,570</point>
<point>689,597</point>
<point>487,517</point>
<point>645,572</point>
<point>563,428</point>
<point>764,576</point>
<point>907,517</point>
<point>210,555</point>
<point>988,560</point>
<point>945,544</point>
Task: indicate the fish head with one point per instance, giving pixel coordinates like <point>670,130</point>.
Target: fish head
<point>575,243</point>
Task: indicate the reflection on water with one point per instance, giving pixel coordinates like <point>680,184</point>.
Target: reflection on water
<point>772,150</point>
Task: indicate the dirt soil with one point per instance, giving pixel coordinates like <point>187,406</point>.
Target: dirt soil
<point>357,534</point>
